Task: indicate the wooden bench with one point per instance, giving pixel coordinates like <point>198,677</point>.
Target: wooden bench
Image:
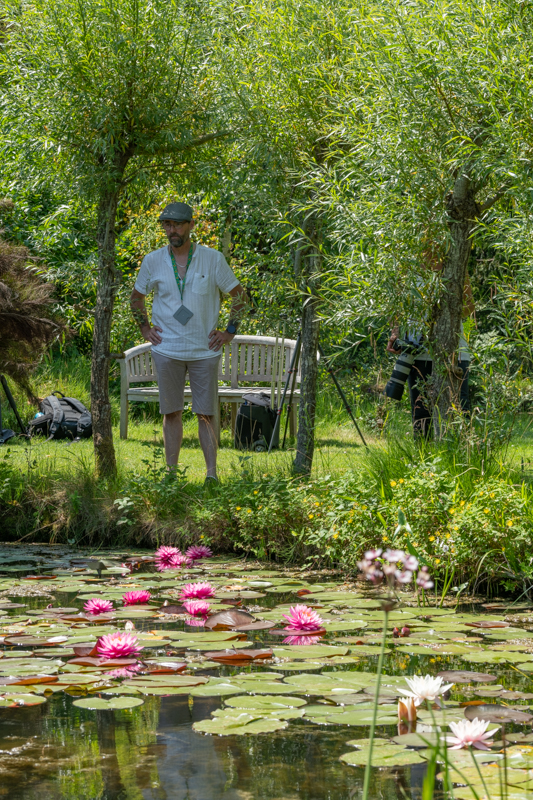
<point>246,361</point>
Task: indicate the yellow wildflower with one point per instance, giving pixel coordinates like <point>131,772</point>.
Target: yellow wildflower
<point>393,484</point>
<point>385,538</point>
<point>248,510</point>
<point>237,508</point>
<point>255,491</point>
<point>317,504</point>
<point>335,535</point>
<point>448,536</point>
<point>462,503</point>
<point>401,480</point>
<point>452,510</point>
<point>509,523</point>
<point>492,494</point>
<point>431,538</point>
<point>310,516</point>
<point>437,561</point>
<point>364,508</point>
<point>486,510</point>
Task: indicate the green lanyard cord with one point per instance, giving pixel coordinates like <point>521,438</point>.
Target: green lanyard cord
<point>179,280</point>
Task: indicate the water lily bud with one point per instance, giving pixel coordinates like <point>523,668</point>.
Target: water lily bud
<point>407,710</point>
<point>396,633</point>
<point>406,631</point>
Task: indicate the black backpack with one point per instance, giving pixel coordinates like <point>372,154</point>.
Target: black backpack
<point>254,427</point>
<point>62,418</point>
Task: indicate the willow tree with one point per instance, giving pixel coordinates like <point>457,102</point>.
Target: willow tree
<point>440,153</point>
<point>112,90</point>
<point>284,66</point>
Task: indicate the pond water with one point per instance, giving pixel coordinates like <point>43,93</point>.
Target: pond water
<point>195,717</point>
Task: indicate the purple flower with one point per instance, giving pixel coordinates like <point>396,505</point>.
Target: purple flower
<point>411,563</point>
<point>403,577</point>
<point>394,556</point>
<point>423,580</point>
<point>371,555</point>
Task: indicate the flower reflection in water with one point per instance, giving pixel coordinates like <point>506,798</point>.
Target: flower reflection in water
<point>302,640</point>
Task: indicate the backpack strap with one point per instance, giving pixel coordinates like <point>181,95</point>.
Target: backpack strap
<point>59,415</point>
<point>78,406</point>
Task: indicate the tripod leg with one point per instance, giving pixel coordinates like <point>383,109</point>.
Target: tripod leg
<point>11,401</point>
<point>341,394</point>
<point>289,408</point>
<point>294,361</point>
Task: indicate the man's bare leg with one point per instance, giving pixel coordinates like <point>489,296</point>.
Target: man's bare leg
<point>172,436</point>
<point>207,434</point>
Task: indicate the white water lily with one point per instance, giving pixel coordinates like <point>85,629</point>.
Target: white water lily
<point>470,732</point>
<point>428,688</point>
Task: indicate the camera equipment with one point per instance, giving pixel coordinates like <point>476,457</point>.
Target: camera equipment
<point>291,379</point>
<point>411,347</point>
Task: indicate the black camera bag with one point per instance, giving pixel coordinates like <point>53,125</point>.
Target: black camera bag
<point>254,427</point>
<point>62,418</point>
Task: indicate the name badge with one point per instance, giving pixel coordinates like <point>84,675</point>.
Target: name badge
<point>183,315</point>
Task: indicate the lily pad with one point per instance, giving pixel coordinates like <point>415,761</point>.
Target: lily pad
<point>312,651</point>
<point>230,618</point>
<point>240,725</point>
<point>113,704</point>
<point>387,756</point>
<point>494,713</point>
<point>465,676</point>
<point>264,701</point>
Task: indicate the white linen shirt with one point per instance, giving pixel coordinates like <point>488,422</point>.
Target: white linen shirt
<point>207,276</point>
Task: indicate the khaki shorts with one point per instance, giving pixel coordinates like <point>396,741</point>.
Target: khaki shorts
<point>203,378</point>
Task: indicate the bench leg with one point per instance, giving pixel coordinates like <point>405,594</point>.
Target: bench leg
<point>124,416</point>
<point>233,419</point>
<point>219,425</point>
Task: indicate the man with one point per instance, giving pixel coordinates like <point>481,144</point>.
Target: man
<point>186,279</point>
<point>423,365</point>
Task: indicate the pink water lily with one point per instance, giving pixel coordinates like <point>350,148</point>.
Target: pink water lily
<point>118,645</point>
<point>302,618</point>
<point>197,608</point>
<point>136,598</point>
<point>198,551</point>
<point>97,606</point>
<point>470,733</point>
<point>167,557</point>
<point>197,591</point>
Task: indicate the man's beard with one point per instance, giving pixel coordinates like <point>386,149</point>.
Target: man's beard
<point>176,241</point>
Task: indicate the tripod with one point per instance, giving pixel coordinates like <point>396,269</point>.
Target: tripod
<point>291,379</point>
<point>6,433</point>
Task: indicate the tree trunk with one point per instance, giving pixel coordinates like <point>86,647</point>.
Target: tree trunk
<point>106,290</point>
<point>447,315</point>
<point>305,444</point>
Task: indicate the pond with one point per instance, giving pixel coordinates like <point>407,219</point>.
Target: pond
<point>243,708</point>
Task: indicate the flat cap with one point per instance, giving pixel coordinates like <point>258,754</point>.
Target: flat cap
<point>179,212</point>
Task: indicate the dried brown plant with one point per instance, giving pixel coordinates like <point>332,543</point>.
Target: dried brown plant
<point>27,324</point>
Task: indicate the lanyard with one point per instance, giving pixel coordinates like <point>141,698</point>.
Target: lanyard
<point>179,281</point>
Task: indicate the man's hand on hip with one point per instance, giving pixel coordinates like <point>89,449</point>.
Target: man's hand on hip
<point>218,339</point>
<point>151,334</point>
